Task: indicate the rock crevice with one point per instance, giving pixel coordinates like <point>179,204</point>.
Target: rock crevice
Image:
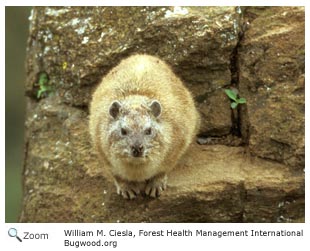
<point>234,84</point>
<point>260,180</point>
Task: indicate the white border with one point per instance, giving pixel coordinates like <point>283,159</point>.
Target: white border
<point>56,230</point>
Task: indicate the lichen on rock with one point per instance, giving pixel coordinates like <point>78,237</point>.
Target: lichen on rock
<point>259,51</point>
<point>272,68</point>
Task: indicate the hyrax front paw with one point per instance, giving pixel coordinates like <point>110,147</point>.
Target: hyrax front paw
<point>156,185</point>
<point>129,190</point>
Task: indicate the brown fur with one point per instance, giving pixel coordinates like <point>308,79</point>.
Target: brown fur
<point>136,81</point>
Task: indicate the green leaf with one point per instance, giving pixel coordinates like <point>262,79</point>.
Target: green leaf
<point>233,105</point>
<point>39,93</point>
<point>42,81</point>
<point>231,94</point>
<point>241,100</point>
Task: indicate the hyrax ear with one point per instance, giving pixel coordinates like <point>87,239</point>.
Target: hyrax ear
<point>114,109</point>
<point>155,107</point>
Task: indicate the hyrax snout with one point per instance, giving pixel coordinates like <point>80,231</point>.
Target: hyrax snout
<point>142,120</point>
<point>135,128</point>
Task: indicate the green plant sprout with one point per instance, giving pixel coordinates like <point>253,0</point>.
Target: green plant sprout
<point>44,88</point>
<point>232,94</point>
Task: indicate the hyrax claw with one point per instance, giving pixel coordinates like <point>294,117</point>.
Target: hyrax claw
<point>128,190</point>
<point>156,185</point>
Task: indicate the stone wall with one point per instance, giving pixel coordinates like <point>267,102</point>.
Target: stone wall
<point>272,78</point>
<point>257,50</point>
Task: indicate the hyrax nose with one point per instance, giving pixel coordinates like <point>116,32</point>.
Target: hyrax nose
<point>137,150</point>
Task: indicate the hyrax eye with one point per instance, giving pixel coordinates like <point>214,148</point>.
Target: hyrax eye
<point>148,131</point>
<point>123,131</point>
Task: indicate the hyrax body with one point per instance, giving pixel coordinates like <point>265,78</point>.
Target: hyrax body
<point>142,119</point>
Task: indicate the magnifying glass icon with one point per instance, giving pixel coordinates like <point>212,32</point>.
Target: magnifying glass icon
<point>13,233</point>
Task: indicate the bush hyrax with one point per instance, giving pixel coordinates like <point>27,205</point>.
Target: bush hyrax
<point>142,119</point>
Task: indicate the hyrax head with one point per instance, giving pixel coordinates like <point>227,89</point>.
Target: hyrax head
<point>134,127</point>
